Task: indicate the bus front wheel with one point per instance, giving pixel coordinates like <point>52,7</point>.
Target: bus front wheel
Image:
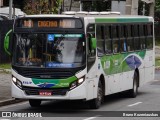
<point>96,103</point>
<point>34,103</point>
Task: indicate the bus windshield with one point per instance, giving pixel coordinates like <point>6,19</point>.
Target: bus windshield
<point>49,50</point>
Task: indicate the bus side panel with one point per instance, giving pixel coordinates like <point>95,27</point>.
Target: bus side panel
<point>142,76</point>
<point>127,80</point>
<point>149,67</point>
<point>90,89</point>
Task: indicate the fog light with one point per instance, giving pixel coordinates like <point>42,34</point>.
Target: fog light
<point>19,84</point>
<point>73,85</point>
<point>77,82</point>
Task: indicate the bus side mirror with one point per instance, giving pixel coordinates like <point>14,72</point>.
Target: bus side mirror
<point>7,43</point>
<point>93,43</point>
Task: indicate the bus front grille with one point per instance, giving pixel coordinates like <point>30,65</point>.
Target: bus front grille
<point>36,91</point>
<point>43,73</point>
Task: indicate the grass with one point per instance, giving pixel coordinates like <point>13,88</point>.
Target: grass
<point>157,41</point>
<point>157,61</point>
<point>5,66</point>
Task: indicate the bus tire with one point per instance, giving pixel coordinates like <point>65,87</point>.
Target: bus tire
<point>134,91</point>
<point>96,103</point>
<point>34,102</point>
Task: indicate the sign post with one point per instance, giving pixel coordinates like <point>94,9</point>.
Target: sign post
<point>10,9</point>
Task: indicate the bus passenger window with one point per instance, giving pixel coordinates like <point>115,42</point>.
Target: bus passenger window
<point>137,45</point>
<point>115,46</point>
<point>141,36</point>
<point>108,45</point>
<point>130,43</point>
<point>100,39</point>
<point>115,39</point>
<point>149,39</point>
<point>123,46</point>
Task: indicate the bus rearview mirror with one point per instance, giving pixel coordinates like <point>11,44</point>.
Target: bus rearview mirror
<point>6,42</point>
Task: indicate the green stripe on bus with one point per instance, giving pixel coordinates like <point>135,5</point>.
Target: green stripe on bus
<point>113,64</point>
<point>57,83</point>
<point>120,20</point>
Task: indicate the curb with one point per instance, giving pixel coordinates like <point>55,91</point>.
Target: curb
<point>7,70</point>
<point>11,101</point>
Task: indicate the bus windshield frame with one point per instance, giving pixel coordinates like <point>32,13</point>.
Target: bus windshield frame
<point>61,39</point>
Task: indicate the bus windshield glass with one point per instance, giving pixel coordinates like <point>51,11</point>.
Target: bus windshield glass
<point>49,50</point>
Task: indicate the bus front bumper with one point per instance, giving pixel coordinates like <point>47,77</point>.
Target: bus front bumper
<point>74,94</point>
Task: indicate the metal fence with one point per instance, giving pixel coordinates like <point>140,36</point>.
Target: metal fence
<point>5,26</point>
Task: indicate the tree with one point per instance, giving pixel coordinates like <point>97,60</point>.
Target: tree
<point>97,6</point>
<point>41,6</point>
<point>157,10</point>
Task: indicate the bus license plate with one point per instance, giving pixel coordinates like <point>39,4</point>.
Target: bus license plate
<point>45,93</point>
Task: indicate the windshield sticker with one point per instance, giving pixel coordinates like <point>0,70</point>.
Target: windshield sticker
<point>58,65</point>
<point>50,37</point>
<point>68,35</point>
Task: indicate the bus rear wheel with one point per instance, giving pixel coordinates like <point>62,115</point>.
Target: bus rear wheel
<point>134,91</point>
<point>34,102</point>
<point>96,103</point>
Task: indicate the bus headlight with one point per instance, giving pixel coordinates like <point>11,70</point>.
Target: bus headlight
<point>14,79</point>
<point>80,80</point>
<point>17,82</point>
<point>77,83</point>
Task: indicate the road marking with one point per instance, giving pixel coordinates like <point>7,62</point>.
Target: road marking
<point>90,118</point>
<point>134,104</point>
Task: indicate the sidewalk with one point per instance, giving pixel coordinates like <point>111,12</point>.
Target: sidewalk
<point>5,88</point>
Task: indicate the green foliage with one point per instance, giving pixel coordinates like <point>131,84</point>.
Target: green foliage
<point>157,61</point>
<point>97,6</point>
<point>41,6</point>
<point>157,9</point>
<point>5,66</point>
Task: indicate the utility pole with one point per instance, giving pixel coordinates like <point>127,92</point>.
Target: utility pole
<point>10,9</point>
<point>1,3</point>
<point>80,5</point>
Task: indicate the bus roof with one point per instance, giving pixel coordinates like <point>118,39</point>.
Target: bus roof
<point>98,17</point>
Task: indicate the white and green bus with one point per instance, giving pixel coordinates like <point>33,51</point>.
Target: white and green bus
<point>80,56</point>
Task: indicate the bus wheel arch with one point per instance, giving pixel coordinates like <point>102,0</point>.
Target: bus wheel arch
<point>96,103</point>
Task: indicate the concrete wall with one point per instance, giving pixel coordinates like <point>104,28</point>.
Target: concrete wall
<point>118,6</point>
<point>75,5</point>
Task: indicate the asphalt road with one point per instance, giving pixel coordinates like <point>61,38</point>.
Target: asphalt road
<point>113,108</point>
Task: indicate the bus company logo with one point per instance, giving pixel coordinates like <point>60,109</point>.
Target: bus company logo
<point>6,114</point>
<point>43,85</point>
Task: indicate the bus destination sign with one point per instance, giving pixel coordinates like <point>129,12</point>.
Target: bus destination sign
<point>58,23</point>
